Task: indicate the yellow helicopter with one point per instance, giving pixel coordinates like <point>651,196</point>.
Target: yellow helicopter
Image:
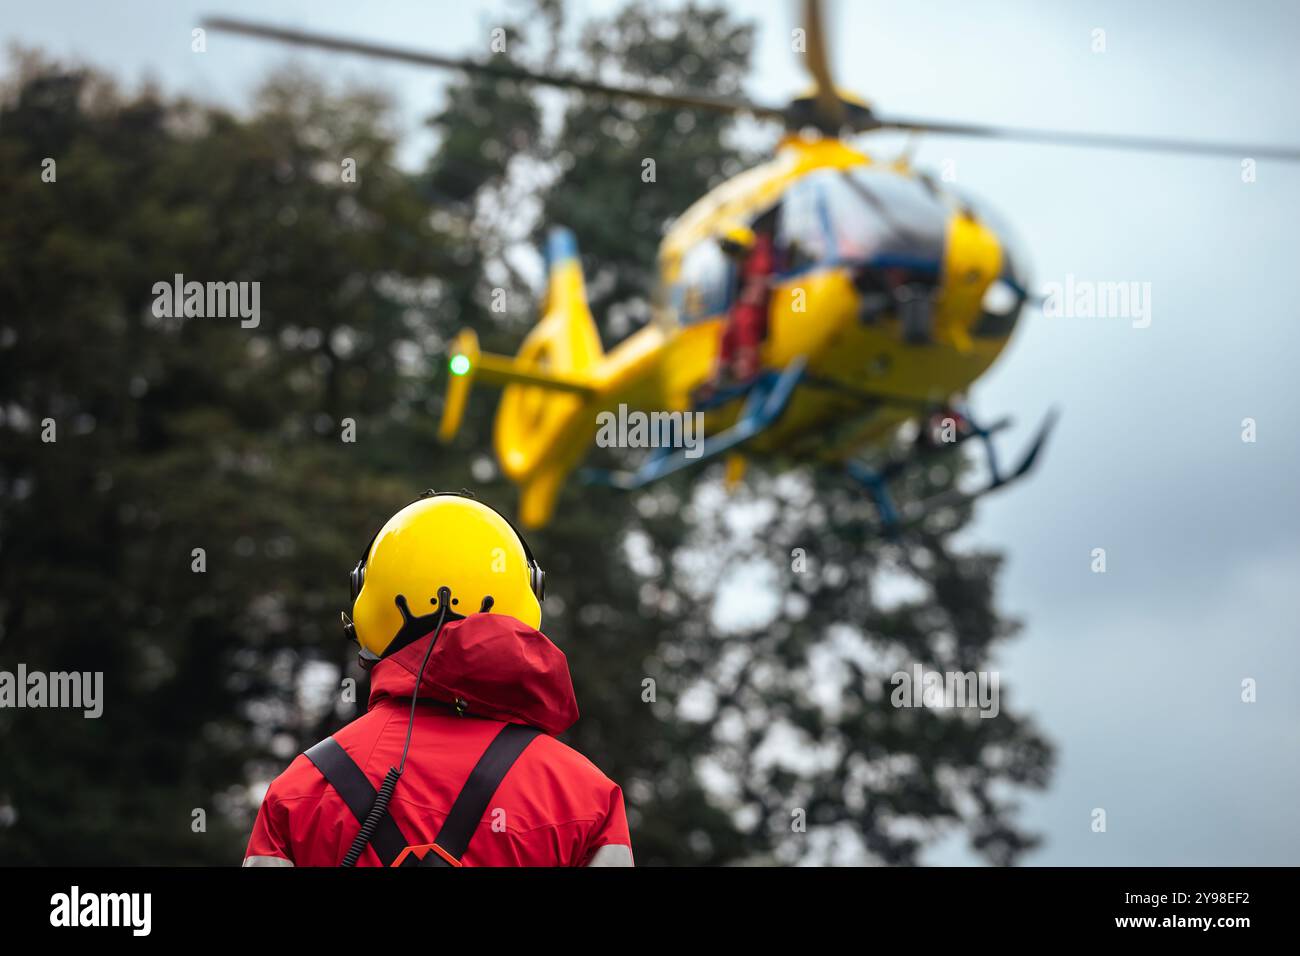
<point>884,297</point>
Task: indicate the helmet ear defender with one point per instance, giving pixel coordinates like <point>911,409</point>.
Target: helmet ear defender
<point>357,578</point>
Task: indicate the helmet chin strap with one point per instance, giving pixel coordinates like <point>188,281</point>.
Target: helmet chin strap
<point>380,807</point>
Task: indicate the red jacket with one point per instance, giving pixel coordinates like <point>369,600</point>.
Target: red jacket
<point>554,808</point>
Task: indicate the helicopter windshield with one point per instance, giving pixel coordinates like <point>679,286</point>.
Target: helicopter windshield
<point>867,215</point>
<point>705,286</point>
<point>870,217</point>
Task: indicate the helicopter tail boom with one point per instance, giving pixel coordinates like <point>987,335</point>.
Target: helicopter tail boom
<point>541,429</point>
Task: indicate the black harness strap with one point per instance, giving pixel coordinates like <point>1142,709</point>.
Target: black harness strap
<point>472,802</point>
<point>357,792</point>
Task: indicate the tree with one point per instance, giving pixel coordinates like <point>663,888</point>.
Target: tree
<point>727,697</point>
<point>189,532</point>
<point>184,434</point>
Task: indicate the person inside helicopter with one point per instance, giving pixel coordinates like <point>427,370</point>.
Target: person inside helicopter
<point>752,251</point>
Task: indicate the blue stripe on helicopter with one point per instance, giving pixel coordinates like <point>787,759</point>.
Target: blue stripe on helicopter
<point>889,260</point>
<point>561,246</point>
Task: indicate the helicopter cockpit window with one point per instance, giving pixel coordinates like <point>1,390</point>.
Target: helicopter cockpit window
<point>803,233</point>
<point>886,219</point>
<point>705,285</point>
<point>863,215</point>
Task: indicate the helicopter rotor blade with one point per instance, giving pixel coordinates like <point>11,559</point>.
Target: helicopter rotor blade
<point>1103,140</point>
<point>504,71</point>
<point>817,60</point>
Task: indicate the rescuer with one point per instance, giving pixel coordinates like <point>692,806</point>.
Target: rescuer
<point>755,256</point>
<point>455,762</point>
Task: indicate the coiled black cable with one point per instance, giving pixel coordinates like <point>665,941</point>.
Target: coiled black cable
<point>380,807</point>
<point>376,814</point>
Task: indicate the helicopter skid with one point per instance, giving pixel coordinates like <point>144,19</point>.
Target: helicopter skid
<point>876,481</point>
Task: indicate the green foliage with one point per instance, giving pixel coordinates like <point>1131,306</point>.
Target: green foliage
<point>183,434</point>
<point>604,144</point>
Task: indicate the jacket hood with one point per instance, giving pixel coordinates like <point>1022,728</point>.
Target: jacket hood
<point>502,668</point>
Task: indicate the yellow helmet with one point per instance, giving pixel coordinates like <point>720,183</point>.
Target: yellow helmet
<point>736,238</point>
<point>442,539</point>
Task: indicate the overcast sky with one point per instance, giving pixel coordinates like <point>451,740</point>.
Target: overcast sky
<point>1135,673</point>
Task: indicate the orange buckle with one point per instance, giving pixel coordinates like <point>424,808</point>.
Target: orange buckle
<point>422,851</point>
